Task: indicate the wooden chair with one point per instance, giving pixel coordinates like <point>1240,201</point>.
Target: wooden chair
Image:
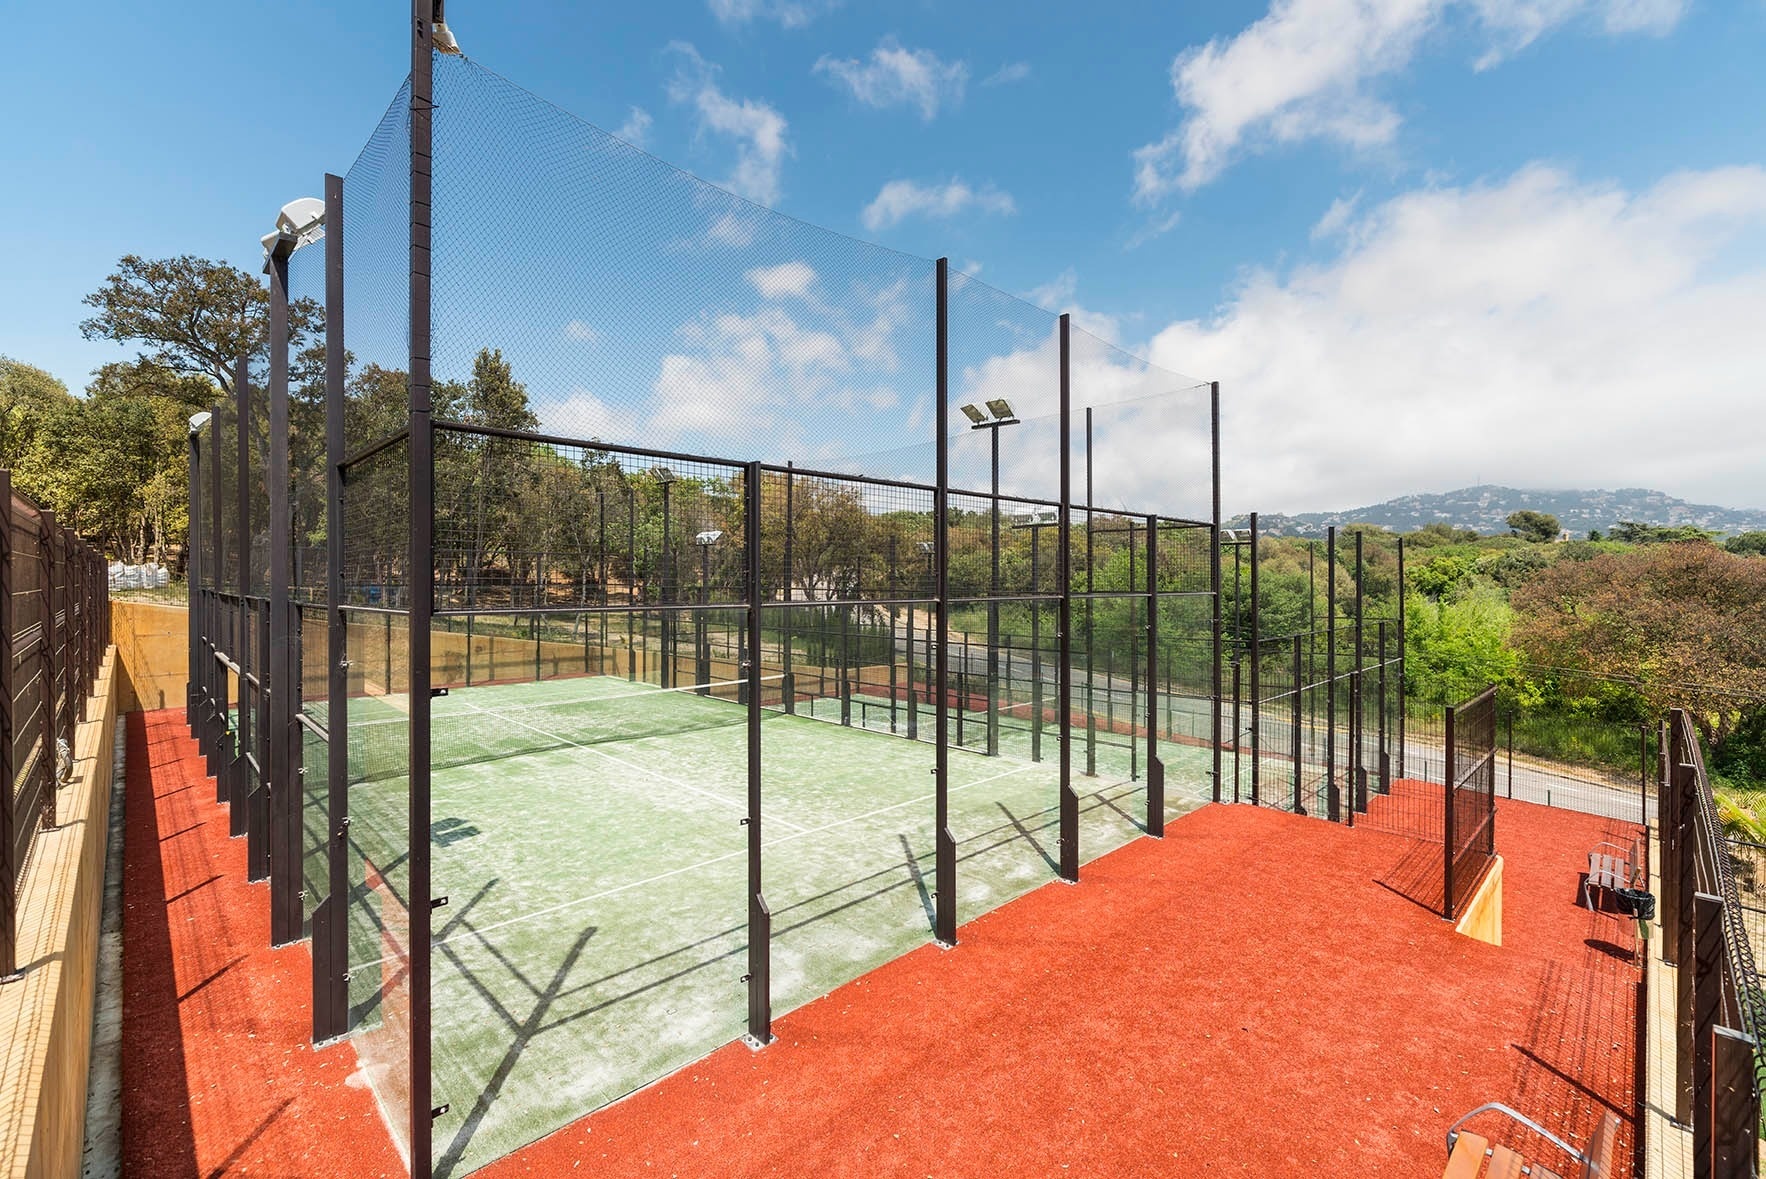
<point>1471,1157</point>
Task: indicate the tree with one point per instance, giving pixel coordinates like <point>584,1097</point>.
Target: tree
<point>1538,527</point>
<point>1454,648</point>
<point>1594,534</point>
<point>28,396</point>
<point>1685,622</point>
<point>1634,532</point>
<point>195,317</point>
<point>1747,544</point>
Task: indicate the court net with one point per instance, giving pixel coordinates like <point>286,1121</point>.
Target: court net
<point>478,725</point>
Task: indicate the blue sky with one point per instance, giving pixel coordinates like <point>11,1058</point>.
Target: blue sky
<point>1417,241</point>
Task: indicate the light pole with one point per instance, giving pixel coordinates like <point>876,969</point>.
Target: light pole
<point>701,641</point>
<point>1001,409</point>
<point>665,479</point>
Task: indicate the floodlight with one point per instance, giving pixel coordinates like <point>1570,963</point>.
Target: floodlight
<point>1002,409</point>
<point>199,420</point>
<point>443,39</point>
<point>304,219</point>
<point>709,537</point>
<point>662,474</point>
<point>974,414</point>
<point>926,547</point>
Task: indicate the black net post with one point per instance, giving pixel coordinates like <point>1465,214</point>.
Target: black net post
<point>1385,752</point>
<point>1069,845</point>
<point>330,924</point>
<point>1707,999</point>
<point>1403,682</point>
<point>193,579</point>
<point>217,676</point>
<point>1332,805</point>
<point>1357,762</point>
<point>248,793</point>
<point>1091,706</point>
<point>52,670</point>
<point>1155,767</point>
<point>945,868</point>
<point>760,918</point>
<point>421,577</point>
<point>279,675</point>
<point>1214,574</point>
<point>1036,702</point>
<point>1256,671</point>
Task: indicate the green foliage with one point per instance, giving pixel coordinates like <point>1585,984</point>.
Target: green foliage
<point>1454,647</point>
<point>1439,577</point>
<point>1511,568</point>
<point>28,397</point>
<point>1747,544</point>
<point>1538,527</point>
<point>1741,755</point>
<point>1594,534</point>
<point>1632,532</point>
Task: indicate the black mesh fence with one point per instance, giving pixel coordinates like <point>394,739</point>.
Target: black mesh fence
<point>786,599</point>
<point>54,627</point>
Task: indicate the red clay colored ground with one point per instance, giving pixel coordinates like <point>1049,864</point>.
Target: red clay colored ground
<point>217,1074</point>
<point>1253,995</point>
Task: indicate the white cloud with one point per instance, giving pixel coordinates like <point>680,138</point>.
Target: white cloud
<point>1157,227</point>
<point>787,278</point>
<point>1306,68</point>
<point>757,129</point>
<point>1015,71</point>
<point>787,14</point>
<point>1336,218</point>
<point>636,127</point>
<point>900,199</point>
<point>895,76</point>
<point>581,332</point>
<point>1060,294</point>
<point>581,414</point>
<point>1536,331</point>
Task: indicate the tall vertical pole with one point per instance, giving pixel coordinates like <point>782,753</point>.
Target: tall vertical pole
<point>760,917</point>
<point>1155,767</point>
<point>419,567</point>
<point>1069,847</point>
<point>1403,684</point>
<point>1036,642</point>
<point>1091,719</point>
<point>945,869</point>
<point>1357,768</point>
<point>331,935</point>
<point>192,578</point>
<point>993,612</point>
<point>1296,722</point>
<point>1256,672</point>
<point>217,674</point>
<point>631,578</point>
<point>1331,792</point>
<point>894,679</point>
<point>1385,752</point>
<point>668,566</point>
<point>248,803</point>
<point>1134,667</point>
<point>787,614</point>
<point>1214,571</point>
<point>277,670</point>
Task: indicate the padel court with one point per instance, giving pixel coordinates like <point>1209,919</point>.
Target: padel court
<point>588,835</point>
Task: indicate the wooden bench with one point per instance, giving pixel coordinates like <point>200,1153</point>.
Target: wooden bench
<point>1472,1157</point>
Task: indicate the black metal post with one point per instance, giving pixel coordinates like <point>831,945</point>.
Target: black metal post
<point>1296,722</point>
<point>1332,802</point>
<point>1036,643</point>
<point>249,816</point>
<point>1214,571</point>
<point>701,640</point>
<point>1256,671</point>
<point>217,757</point>
<point>789,615</point>
<point>760,917</point>
<point>420,576</point>
<point>330,928</point>
<point>1403,681</point>
<point>1385,753</point>
<point>192,578</point>
<point>944,895</point>
<point>631,579</point>
<point>1155,767</point>
<point>993,610</point>
<point>1069,846</point>
<point>667,571</point>
<point>1449,838</point>
<point>1091,716</point>
<point>1357,762</point>
<point>278,669</point>
<point>894,684</point>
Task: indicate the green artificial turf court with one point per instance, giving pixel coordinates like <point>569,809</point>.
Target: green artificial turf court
<point>587,835</point>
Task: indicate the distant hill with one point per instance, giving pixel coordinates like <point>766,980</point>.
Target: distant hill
<point>1486,508</point>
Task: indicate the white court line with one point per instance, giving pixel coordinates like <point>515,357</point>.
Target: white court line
<point>739,805</point>
<point>799,834</point>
